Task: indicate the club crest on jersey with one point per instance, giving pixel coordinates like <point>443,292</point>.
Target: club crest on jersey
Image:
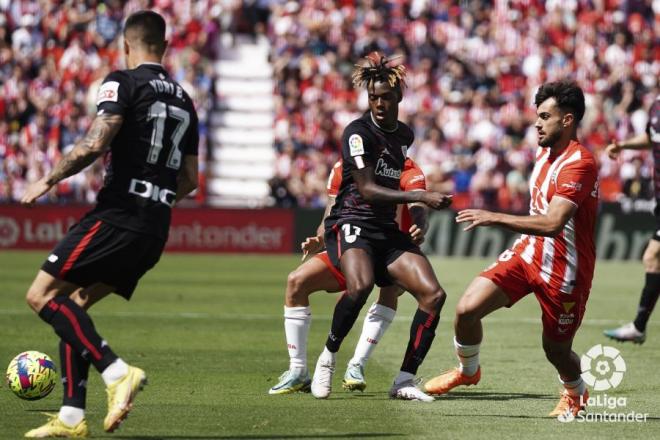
<point>383,170</point>
<point>109,91</point>
<point>553,178</point>
<point>355,144</point>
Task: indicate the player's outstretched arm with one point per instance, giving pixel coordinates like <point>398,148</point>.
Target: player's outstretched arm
<point>639,142</point>
<point>187,177</point>
<point>374,193</point>
<point>96,142</point>
<point>559,213</point>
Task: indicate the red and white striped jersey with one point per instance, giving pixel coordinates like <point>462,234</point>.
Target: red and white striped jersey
<point>412,179</point>
<point>565,262</point>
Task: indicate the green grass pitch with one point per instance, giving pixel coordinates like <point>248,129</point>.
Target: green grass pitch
<point>208,331</point>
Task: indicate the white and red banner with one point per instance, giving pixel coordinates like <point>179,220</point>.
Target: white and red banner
<point>192,230</point>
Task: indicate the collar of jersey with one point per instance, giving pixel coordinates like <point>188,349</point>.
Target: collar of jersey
<point>149,63</point>
<point>396,127</point>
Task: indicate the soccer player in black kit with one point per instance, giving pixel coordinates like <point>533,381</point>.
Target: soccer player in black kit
<point>362,237</point>
<point>649,140</point>
<point>147,125</point>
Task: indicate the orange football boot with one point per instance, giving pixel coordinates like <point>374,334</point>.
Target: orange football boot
<point>451,379</point>
<point>570,404</point>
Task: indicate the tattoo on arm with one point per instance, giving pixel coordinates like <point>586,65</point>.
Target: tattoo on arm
<point>95,143</point>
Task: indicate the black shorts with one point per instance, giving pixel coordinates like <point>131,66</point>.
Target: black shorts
<point>97,252</point>
<point>383,246</point>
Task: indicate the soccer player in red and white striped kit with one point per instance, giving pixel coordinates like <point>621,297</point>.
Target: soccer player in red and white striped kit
<point>554,257</point>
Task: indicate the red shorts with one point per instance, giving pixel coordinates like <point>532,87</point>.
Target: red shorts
<point>323,256</point>
<point>562,312</point>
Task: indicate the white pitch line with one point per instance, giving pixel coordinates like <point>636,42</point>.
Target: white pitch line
<point>321,317</point>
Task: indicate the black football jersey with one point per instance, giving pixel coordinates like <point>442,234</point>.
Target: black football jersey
<point>653,132</point>
<point>160,127</point>
<point>364,144</point>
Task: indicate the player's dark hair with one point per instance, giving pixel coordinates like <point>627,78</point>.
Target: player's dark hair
<point>147,28</point>
<point>379,68</point>
<point>567,94</point>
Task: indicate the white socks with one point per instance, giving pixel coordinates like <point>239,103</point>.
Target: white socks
<point>468,356</point>
<point>376,322</point>
<point>70,415</point>
<point>114,372</point>
<point>327,357</point>
<point>297,321</point>
<point>574,388</point>
<point>403,377</point>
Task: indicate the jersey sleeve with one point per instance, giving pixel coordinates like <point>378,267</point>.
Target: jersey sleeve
<point>577,181</point>
<point>114,93</point>
<point>334,179</point>
<point>413,178</point>
<point>358,150</point>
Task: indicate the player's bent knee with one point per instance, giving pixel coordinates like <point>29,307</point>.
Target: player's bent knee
<point>295,284</point>
<point>651,263</point>
<point>434,301</point>
<point>36,299</point>
<point>359,291</point>
<point>467,312</point>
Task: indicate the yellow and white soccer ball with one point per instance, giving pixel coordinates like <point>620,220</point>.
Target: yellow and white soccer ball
<point>31,375</point>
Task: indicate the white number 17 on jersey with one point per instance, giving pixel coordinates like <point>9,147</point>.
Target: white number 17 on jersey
<point>160,111</point>
<point>348,237</point>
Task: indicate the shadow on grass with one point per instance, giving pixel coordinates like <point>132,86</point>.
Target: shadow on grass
<point>274,436</point>
<point>541,417</point>
<point>485,395</point>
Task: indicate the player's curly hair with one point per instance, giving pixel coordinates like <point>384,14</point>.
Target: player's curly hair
<point>567,93</point>
<point>379,68</point>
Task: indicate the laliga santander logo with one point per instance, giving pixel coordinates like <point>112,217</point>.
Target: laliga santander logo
<point>602,367</point>
<point>9,231</point>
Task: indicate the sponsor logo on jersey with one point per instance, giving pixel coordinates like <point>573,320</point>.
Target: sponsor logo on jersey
<point>356,145</point>
<point>577,186</point>
<point>383,170</point>
<point>53,258</point>
<point>109,91</point>
<point>148,190</point>
<point>415,179</point>
<point>566,318</point>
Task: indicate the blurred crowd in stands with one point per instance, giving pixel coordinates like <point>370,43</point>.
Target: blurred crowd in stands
<point>473,71</point>
<point>472,75</point>
<point>53,56</point>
